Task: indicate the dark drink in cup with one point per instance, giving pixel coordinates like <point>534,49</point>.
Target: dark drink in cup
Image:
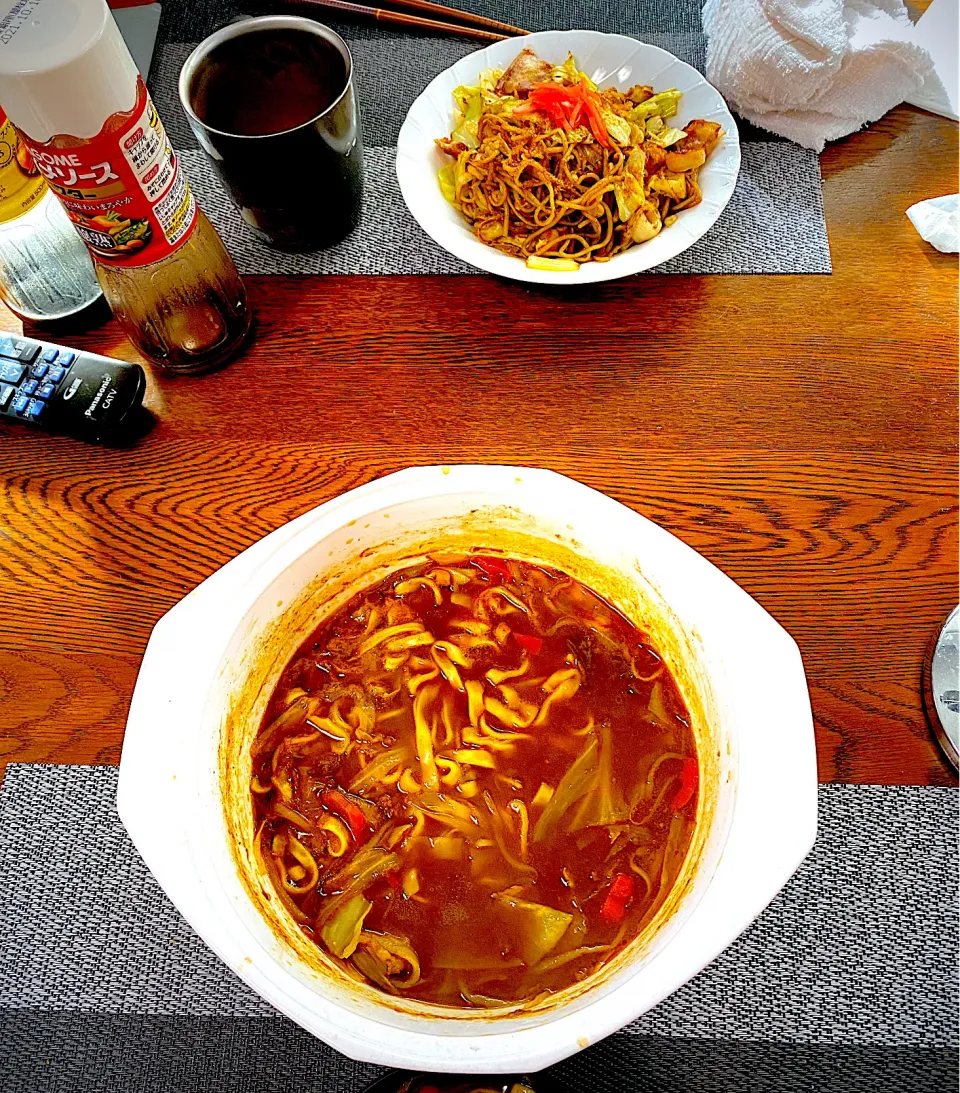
<point>272,102</point>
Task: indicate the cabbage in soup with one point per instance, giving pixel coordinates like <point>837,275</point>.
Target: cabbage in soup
<point>475,783</point>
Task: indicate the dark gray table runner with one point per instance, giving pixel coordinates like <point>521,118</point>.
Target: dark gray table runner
<point>773,224</point>
<point>848,981</point>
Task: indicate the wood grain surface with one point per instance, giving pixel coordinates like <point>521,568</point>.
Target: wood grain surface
<point>801,432</point>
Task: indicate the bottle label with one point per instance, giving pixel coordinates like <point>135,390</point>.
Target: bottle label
<point>123,189</point>
<point>21,184</point>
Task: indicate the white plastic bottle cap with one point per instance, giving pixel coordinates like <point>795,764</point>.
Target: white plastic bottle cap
<point>64,68</point>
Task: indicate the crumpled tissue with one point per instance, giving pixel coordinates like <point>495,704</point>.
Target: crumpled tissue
<point>937,221</point>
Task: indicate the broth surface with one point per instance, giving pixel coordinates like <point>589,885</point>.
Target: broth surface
<point>475,783</point>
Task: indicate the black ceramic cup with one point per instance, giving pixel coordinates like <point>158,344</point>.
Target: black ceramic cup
<point>272,102</point>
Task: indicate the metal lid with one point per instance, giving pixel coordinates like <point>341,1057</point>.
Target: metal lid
<point>63,67</point>
<point>941,686</point>
<point>39,35</point>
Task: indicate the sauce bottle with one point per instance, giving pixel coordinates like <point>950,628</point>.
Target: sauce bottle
<point>72,89</point>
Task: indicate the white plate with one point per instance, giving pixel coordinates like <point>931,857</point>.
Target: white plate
<point>610,60</point>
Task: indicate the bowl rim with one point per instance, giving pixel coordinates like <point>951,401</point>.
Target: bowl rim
<point>285,629</point>
<point>422,201</point>
<point>393,1079</point>
<point>773,824</point>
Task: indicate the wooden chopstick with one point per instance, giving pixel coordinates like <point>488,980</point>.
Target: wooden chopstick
<point>455,15</point>
<point>401,19</point>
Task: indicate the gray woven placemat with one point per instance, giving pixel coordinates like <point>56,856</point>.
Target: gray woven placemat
<point>389,240</point>
<point>774,223</point>
<point>852,966</point>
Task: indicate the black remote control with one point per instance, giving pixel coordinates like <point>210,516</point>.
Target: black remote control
<point>65,390</point>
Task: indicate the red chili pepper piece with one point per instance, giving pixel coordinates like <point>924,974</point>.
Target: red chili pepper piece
<point>622,887</point>
<point>559,116</point>
<point>338,803</point>
<point>567,107</point>
<point>532,644</point>
<point>544,93</point>
<point>595,121</point>
<point>615,905</point>
<point>393,879</point>
<point>689,779</point>
<point>493,567</point>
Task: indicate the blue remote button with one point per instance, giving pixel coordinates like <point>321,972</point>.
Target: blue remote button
<point>67,357</point>
<point>18,350</point>
<point>6,392</point>
<point>20,403</point>
<point>36,408</point>
<point>50,356</point>
<point>39,370</point>
<point>10,372</point>
<point>56,374</point>
<point>46,390</point>
<point>29,388</point>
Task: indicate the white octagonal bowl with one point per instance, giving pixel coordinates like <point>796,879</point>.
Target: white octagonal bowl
<point>212,662</point>
<point>610,60</point>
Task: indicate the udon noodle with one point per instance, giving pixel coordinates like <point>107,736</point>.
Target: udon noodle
<point>475,783</point>
<point>548,168</point>
<point>446,1084</point>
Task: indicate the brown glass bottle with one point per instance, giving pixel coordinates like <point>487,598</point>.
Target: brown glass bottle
<point>186,313</point>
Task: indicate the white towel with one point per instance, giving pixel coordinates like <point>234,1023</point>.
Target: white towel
<point>813,70</point>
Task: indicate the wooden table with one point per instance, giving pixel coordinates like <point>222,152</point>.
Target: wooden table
<point>800,431</point>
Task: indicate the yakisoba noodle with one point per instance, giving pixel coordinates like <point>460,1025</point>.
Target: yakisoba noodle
<point>548,168</point>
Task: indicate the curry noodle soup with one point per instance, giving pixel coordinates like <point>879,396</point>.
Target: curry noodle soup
<point>475,783</point>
